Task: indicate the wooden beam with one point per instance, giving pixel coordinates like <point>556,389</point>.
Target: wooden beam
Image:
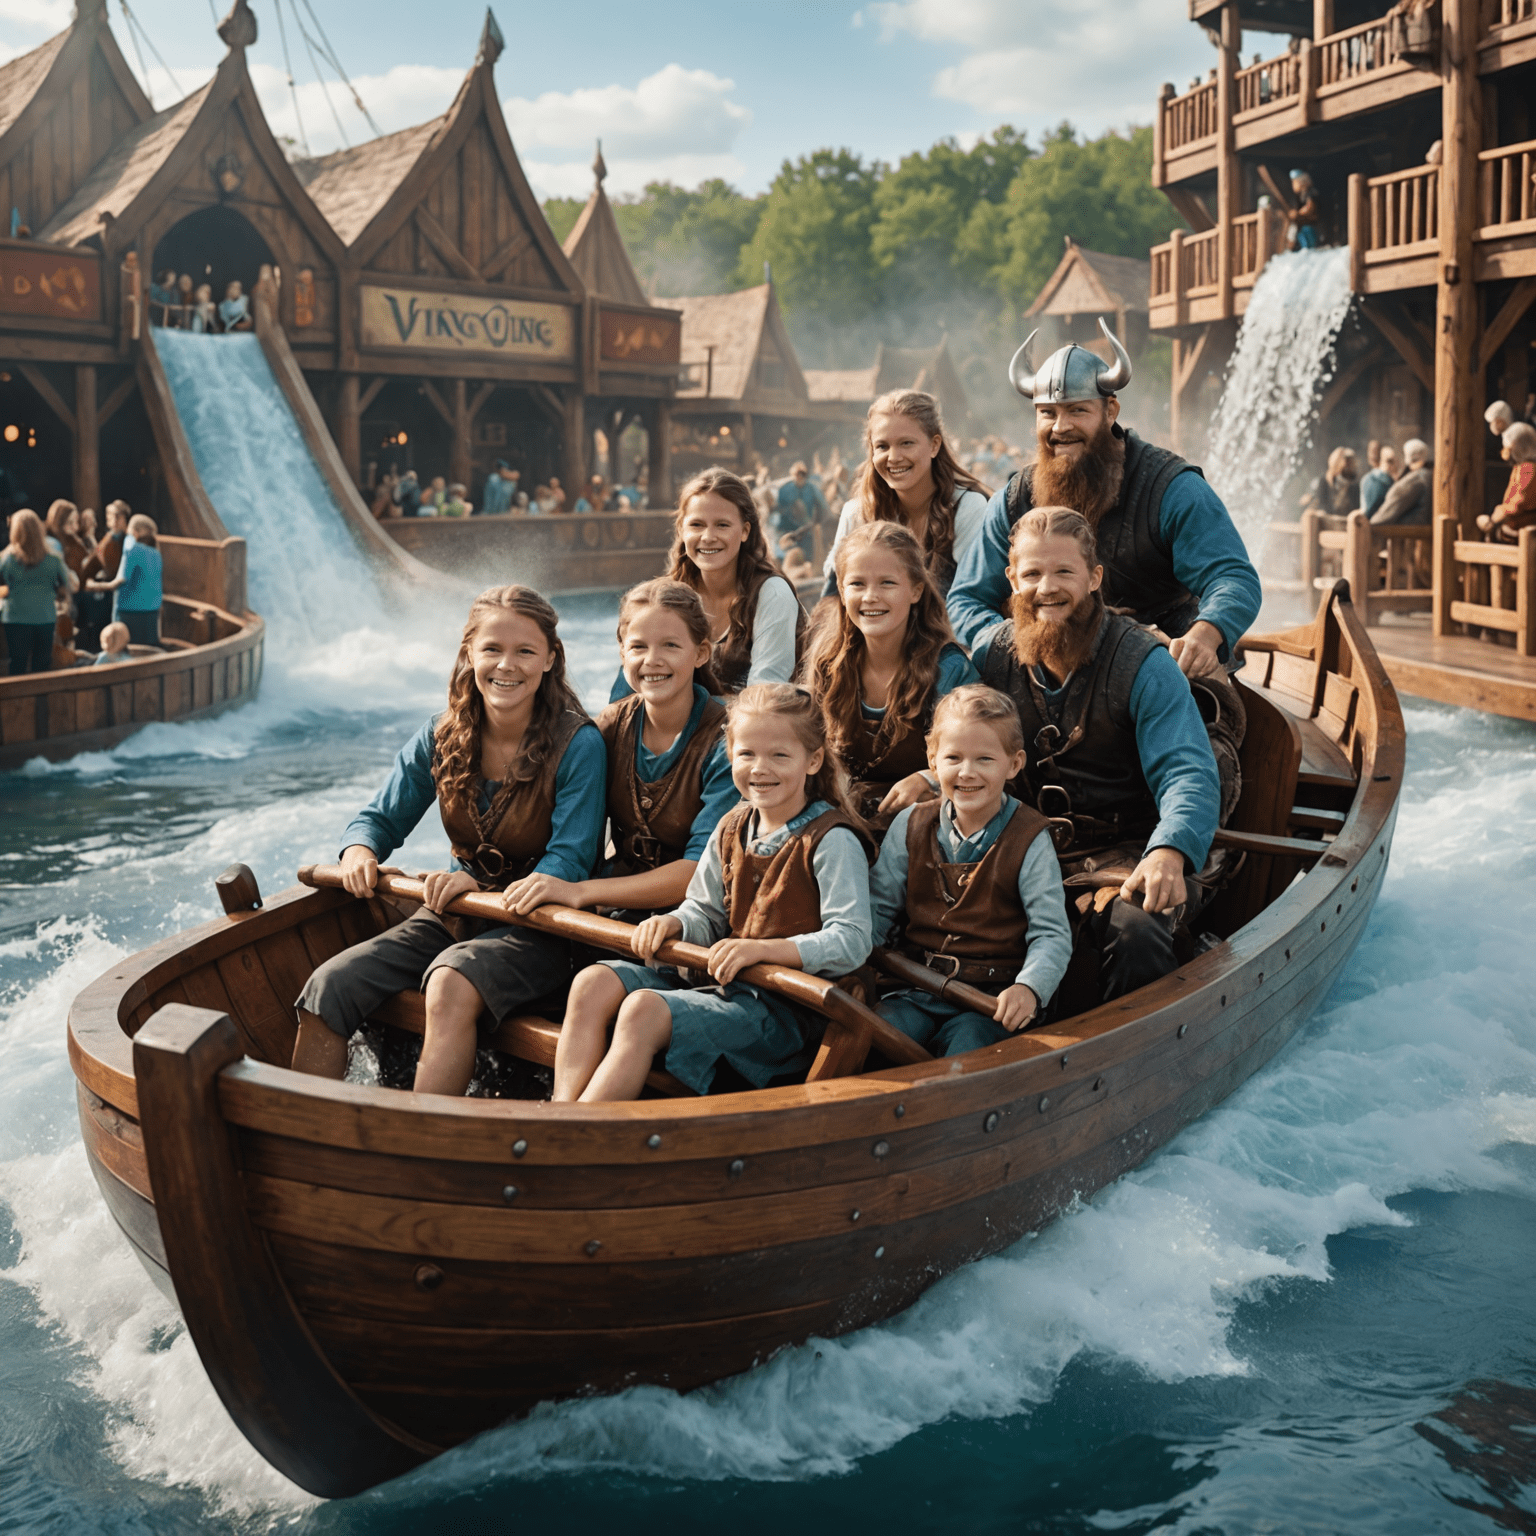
<point>1458,385</point>
<point>1190,207</point>
<point>442,407</point>
<point>1380,315</point>
<point>1281,200</point>
<point>1227,169</point>
<point>1497,331</point>
<point>116,400</point>
<point>51,397</point>
<point>1185,369</point>
<point>460,457</point>
<point>349,427</point>
<point>500,260</point>
<point>368,396</point>
<point>440,241</point>
<point>87,465</point>
<point>476,405</point>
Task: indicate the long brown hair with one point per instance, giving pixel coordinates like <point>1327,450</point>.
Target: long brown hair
<point>879,503</point>
<point>58,515</point>
<point>753,565</point>
<point>834,665</point>
<point>678,598</point>
<point>27,537</point>
<point>456,741</point>
<point>803,715</point>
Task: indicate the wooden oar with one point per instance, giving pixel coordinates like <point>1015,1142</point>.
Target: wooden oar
<point>860,1023</point>
<point>919,976</point>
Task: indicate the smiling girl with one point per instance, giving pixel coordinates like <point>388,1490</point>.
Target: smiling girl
<point>879,663</point>
<point>756,623</point>
<point>785,879</point>
<point>516,770</point>
<point>911,477</point>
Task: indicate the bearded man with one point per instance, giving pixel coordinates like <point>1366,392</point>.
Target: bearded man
<point>1118,755</point>
<point>1172,556</point>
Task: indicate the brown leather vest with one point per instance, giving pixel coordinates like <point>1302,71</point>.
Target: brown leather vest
<point>774,896</point>
<point>651,822</point>
<point>968,914</point>
<point>513,835</point>
<point>732,656</point>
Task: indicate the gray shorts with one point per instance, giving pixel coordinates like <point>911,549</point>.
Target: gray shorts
<point>509,967</point>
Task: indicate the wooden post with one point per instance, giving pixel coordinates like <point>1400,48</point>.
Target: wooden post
<point>1226,154</point>
<point>1444,573</point>
<point>1311,550</point>
<point>1322,19</point>
<point>1176,277</point>
<point>1458,380</point>
<point>573,446</point>
<point>87,458</point>
<point>1525,599</point>
<point>1164,96</point>
<point>1306,104</point>
<point>660,474</point>
<point>1359,232</point>
<point>459,455</point>
<point>349,427</point>
<point>1359,566</point>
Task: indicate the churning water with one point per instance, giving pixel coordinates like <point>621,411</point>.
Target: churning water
<point>1313,1311</point>
<point>1284,356</point>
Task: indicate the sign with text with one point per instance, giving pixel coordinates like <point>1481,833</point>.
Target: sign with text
<point>456,322</point>
<point>58,283</point>
<point>631,338</point>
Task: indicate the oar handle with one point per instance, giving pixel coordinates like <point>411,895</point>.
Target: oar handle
<point>586,928</point>
<point>919,976</point>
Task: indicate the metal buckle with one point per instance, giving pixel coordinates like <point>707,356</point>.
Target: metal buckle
<point>1047,740</point>
<point>931,960</point>
<point>1066,801</point>
<point>480,865</point>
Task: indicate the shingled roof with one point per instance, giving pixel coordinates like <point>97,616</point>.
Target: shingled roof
<point>596,248</point>
<point>352,185</point>
<point>124,173</point>
<point>23,77</point>
<point>1086,282</point>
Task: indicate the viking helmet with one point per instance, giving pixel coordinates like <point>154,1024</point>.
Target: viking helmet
<point>1073,373</point>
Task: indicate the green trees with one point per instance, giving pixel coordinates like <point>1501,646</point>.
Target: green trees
<point>950,239</point>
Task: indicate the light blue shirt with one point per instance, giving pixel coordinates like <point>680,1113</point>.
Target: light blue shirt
<point>1041,894</point>
<point>497,498</point>
<point>576,827</point>
<point>1209,558</point>
<point>842,879</point>
<point>1373,490</point>
<point>716,785</point>
<point>1171,741</point>
<point>140,570</point>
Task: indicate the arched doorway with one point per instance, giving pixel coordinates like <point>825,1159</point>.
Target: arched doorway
<point>216,245</point>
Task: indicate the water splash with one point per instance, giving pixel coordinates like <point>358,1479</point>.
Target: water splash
<point>1285,354</point>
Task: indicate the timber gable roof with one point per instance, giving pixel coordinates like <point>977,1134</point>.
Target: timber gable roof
<point>726,338</point>
<point>1086,282</point>
<point>596,248</point>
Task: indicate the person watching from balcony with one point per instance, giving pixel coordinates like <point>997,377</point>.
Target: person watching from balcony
<point>1518,508</point>
<point>1305,216</point>
<point>1411,499</point>
<point>1172,555</point>
<point>500,490</point>
<point>1500,417</point>
<point>1337,491</point>
<point>1374,487</point>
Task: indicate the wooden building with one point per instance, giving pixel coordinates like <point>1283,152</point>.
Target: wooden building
<point>639,351</point>
<point>931,369</point>
<point>741,392</point>
<point>1415,124</point>
<point>1085,286</point>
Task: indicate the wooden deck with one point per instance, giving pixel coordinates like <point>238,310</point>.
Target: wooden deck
<point>1456,669</point>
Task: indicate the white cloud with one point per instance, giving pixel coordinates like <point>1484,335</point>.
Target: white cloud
<point>1097,62</point>
<point>678,124</point>
<point>406,94</point>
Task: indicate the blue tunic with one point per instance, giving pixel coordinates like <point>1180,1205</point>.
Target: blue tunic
<point>716,785</point>
<point>1171,741</point>
<point>1208,557</point>
<point>576,831</point>
<point>140,570</point>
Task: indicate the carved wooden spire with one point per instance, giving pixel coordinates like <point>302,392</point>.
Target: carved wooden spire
<point>491,41</point>
<point>599,165</point>
<point>238,29</point>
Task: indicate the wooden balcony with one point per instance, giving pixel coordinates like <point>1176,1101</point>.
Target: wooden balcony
<point>1394,221</point>
<point>1195,298</point>
<point>1511,38</point>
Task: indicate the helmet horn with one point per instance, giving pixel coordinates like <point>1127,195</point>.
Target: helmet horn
<point>1112,380</point>
<point>1022,380</point>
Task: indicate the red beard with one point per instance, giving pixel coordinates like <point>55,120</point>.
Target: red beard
<point>1061,646</point>
<point>1090,484</point>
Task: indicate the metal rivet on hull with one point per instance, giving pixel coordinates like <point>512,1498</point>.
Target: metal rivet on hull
<point>519,1147</point>
<point>737,1168</point>
<point>428,1277</point>
<point>1184,1028</point>
<point>653,1141</point>
<point>880,1253</point>
<point>1045,1104</point>
<point>991,1122</point>
<point>901,1109</point>
<point>881,1148</point>
<point>592,1247</point>
<point>854,1215</point>
<point>509,1193</point>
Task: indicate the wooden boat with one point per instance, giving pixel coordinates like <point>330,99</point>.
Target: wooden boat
<point>370,1276</point>
<point>210,660</point>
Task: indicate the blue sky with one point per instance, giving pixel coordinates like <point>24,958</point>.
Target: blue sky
<point>685,89</point>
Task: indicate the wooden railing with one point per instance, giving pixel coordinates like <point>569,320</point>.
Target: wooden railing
<point>1255,238</point>
<point>1516,10</point>
<point>1487,586</point>
<point>1189,266</point>
<point>1260,85</point>
<point>1162,270</point>
<point>1388,567</point>
<point>1508,191</point>
<point>1200,271</point>
<point>1404,210</point>
<point>1345,56</point>
<point>1189,118</point>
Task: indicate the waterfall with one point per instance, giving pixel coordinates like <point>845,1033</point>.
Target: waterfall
<point>307,577</point>
<point>1284,355</point>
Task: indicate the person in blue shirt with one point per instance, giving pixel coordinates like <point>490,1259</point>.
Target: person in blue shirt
<point>137,589</point>
<point>500,490</point>
<point>1120,761</point>
<point>1378,481</point>
<point>516,770</point>
<point>1171,553</point>
<point>969,886</point>
<point>800,506</point>
<point>33,578</point>
<point>880,660</point>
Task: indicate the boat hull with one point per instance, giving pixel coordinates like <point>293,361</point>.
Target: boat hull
<point>445,1265</point>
